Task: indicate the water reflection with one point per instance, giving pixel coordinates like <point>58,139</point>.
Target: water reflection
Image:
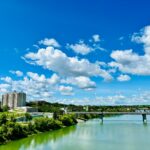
<point>37,141</point>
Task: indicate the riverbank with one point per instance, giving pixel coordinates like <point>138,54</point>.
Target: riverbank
<point>11,130</point>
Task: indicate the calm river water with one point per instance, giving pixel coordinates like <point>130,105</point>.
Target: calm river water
<point>116,133</point>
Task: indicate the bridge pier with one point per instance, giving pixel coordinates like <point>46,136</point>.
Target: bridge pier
<point>144,118</point>
<point>101,117</point>
<point>77,115</point>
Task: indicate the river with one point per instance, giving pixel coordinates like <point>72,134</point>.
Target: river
<point>116,133</point>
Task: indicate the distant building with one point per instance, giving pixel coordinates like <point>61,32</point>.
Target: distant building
<point>13,100</point>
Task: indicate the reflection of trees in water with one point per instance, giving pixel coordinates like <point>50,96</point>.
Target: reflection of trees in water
<point>37,140</point>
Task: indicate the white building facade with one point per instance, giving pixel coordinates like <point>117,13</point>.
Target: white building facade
<point>13,100</point>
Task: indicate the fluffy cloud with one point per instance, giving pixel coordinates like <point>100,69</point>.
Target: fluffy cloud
<point>140,98</point>
<point>41,78</point>
<point>4,87</point>
<point>49,42</point>
<point>18,73</point>
<point>85,48</point>
<point>80,48</point>
<point>54,79</point>
<point>123,78</point>
<point>96,38</point>
<point>128,61</point>
<point>81,82</point>
<point>143,37</point>
<point>66,90</point>
<point>36,77</point>
<point>36,86</point>
<point>57,61</point>
<point>6,79</point>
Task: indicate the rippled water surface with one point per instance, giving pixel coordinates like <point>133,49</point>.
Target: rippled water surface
<point>116,133</point>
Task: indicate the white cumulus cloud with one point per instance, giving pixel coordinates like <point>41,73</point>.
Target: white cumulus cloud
<point>57,61</point>
<point>81,82</point>
<point>96,38</point>
<point>34,85</point>
<point>130,62</point>
<point>80,48</point>
<point>85,48</point>
<point>49,42</point>
<point>17,72</point>
<point>123,78</point>
<point>66,90</point>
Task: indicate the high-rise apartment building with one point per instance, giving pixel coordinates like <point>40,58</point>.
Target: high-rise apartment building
<point>13,100</point>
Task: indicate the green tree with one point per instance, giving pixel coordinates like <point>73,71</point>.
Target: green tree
<point>3,119</point>
<point>5,108</point>
<point>28,117</point>
<point>12,118</point>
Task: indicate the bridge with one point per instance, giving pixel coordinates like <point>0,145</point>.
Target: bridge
<point>102,114</point>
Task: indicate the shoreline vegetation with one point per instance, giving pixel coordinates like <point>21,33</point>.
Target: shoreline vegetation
<point>11,130</point>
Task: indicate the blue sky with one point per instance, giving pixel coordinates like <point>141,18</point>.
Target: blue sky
<point>83,52</point>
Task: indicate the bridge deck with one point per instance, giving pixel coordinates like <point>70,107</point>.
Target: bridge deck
<point>112,113</point>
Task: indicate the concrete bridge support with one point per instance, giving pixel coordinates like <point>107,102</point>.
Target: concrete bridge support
<point>144,118</point>
<point>77,115</point>
<point>101,117</point>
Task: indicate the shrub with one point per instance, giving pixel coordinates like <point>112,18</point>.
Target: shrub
<point>5,108</point>
<point>54,124</point>
<point>68,120</point>
<point>28,117</point>
<point>41,124</point>
<point>31,128</point>
<point>3,119</point>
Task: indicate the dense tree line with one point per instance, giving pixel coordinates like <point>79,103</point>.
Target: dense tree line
<point>44,106</point>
